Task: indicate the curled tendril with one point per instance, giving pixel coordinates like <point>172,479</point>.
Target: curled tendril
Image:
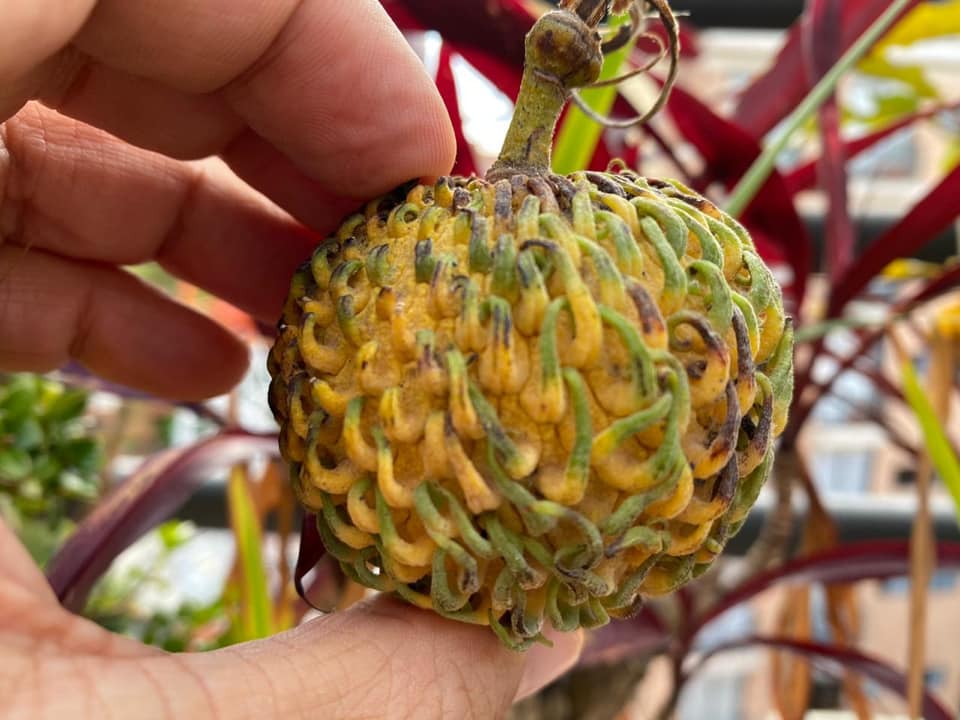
<point>634,30</point>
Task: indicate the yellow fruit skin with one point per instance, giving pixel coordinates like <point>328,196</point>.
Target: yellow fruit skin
<point>531,400</point>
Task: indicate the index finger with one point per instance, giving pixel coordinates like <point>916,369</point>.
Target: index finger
<point>332,84</point>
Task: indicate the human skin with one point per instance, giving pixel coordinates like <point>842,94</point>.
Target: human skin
<point>112,110</point>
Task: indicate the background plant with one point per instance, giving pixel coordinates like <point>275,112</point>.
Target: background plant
<point>883,272</point>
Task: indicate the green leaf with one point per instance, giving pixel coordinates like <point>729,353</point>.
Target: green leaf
<point>82,454</point>
<point>30,494</point>
<point>15,464</point>
<point>77,487</point>
<point>67,406</point>
<point>578,136</point>
<point>913,76</point>
<point>46,468</point>
<point>28,434</point>
<point>176,533</point>
<point>937,444</point>
<point>256,605</point>
<point>927,20</point>
<point>17,404</point>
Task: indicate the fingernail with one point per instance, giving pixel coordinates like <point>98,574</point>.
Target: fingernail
<point>546,664</point>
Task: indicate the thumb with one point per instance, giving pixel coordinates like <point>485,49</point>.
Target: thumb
<point>379,659</point>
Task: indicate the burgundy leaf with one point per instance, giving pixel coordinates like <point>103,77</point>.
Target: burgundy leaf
<point>728,151</point>
<point>309,554</point>
<point>852,562</point>
<point>837,660</point>
<point>504,75</point>
<point>689,39</point>
<point>448,91</point>
<point>326,584</point>
<point>503,72</point>
<point>160,486</point>
<point>497,28</point>
<point>775,93</point>
<point>925,221</point>
<point>946,281</point>
<point>822,34</point>
<point>804,177</point>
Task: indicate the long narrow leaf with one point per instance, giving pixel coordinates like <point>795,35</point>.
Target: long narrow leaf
<point>942,456</point>
<point>494,27</point>
<point>823,42</point>
<point>836,660</point>
<point>806,401</point>
<point>447,86</point>
<point>852,562</point>
<point>161,485</point>
<point>764,165</point>
<point>804,177</point>
<point>779,90</point>
<point>256,611</point>
<point>925,221</point>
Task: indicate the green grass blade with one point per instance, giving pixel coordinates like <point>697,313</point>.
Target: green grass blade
<point>256,604</point>
<point>578,136</point>
<point>942,456</point>
<point>758,173</point>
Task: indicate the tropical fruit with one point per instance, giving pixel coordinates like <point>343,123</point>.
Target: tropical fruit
<point>532,398</point>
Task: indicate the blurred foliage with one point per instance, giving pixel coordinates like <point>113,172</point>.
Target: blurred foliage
<point>245,608</point>
<point>48,460</point>
<point>899,88</point>
<point>116,603</point>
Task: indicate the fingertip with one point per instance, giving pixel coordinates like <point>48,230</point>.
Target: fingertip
<point>114,324</point>
<point>547,663</point>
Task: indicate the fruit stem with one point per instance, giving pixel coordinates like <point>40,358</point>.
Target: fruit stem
<point>590,11</point>
<point>562,53</point>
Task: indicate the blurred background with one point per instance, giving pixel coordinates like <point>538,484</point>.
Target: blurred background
<point>839,597</point>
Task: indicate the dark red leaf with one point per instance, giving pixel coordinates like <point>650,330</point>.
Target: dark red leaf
<point>804,177</point>
<point>497,28</point>
<point>161,485</point>
<point>775,93</point>
<point>728,152</point>
<point>447,86</point>
<point>946,281</point>
<point>323,590</point>
<point>689,39</point>
<point>925,221</point>
<point>852,562</point>
<point>822,39</point>
<point>504,76</point>
<point>837,660</point>
<point>309,554</point>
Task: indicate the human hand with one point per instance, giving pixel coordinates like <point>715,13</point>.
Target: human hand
<point>381,659</point>
<point>312,105</point>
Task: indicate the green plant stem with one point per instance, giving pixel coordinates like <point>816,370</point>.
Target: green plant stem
<point>758,173</point>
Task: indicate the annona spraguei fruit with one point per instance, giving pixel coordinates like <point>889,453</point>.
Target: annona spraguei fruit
<point>529,398</point>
